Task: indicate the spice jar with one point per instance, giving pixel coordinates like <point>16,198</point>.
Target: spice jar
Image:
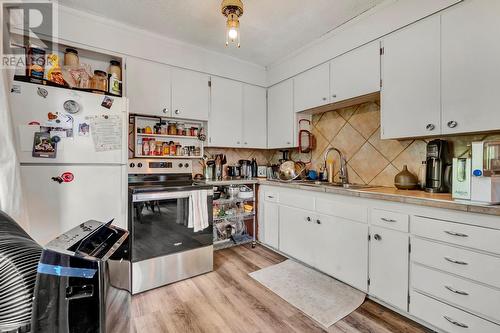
<point>166,149</point>
<point>71,57</point>
<point>178,150</point>
<point>172,129</point>
<point>145,146</point>
<point>180,129</point>
<point>197,151</point>
<point>99,81</point>
<point>152,147</point>
<point>115,77</point>
<point>159,148</point>
<point>172,148</point>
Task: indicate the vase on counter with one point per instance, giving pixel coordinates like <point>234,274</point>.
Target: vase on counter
<point>405,180</point>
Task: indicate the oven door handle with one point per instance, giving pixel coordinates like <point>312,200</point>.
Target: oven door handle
<point>164,195</point>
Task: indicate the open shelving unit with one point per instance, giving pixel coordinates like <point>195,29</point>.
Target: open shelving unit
<point>140,121</point>
<point>221,239</point>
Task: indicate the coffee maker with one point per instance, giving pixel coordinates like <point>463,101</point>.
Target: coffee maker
<point>438,175</point>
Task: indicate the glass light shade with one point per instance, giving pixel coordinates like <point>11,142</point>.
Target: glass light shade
<point>233,30</point>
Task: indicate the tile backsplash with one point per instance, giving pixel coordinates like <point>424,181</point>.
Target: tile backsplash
<point>356,132</point>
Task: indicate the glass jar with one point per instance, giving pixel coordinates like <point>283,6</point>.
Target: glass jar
<point>172,148</point>
<point>99,81</point>
<point>115,77</point>
<point>158,148</point>
<point>180,129</point>
<point>172,129</point>
<point>166,149</point>
<point>197,151</point>
<point>152,147</point>
<point>178,150</point>
<point>71,57</point>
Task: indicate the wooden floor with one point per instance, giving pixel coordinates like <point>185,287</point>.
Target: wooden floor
<point>228,300</point>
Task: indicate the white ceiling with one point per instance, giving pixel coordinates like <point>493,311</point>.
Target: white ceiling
<point>270,29</point>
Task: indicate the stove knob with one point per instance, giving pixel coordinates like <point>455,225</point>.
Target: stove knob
<point>186,165</point>
<point>139,165</point>
<point>132,165</point>
<point>180,165</point>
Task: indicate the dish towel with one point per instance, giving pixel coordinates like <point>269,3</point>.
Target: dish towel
<point>198,210</point>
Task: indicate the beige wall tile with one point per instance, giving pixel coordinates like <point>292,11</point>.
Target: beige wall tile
<point>347,113</point>
<point>412,156</point>
<point>368,162</point>
<point>366,119</point>
<point>386,177</point>
<point>389,148</point>
<point>348,141</point>
<point>330,125</point>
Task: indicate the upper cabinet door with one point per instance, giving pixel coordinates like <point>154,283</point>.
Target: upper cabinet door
<point>471,67</point>
<point>226,113</point>
<point>355,73</point>
<point>411,99</point>
<point>312,88</point>
<point>254,117</point>
<point>280,115</point>
<point>190,94</point>
<point>148,87</point>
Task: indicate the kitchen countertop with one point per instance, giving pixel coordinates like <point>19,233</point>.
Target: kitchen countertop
<point>438,200</point>
<point>229,182</point>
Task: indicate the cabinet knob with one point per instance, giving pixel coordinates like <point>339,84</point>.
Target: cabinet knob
<point>318,221</point>
<point>324,98</point>
<point>377,237</point>
<point>452,124</point>
<point>334,96</point>
<point>288,142</point>
<point>237,142</point>
<point>430,127</point>
<point>245,143</point>
<point>308,219</point>
<point>177,111</point>
<point>165,110</point>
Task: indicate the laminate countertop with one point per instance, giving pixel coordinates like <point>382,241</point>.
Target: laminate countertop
<point>415,197</point>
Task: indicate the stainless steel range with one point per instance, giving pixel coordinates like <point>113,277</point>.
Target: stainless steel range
<point>165,246</point>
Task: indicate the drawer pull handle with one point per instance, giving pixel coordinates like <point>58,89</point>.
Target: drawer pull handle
<point>453,290</point>
<point>388,220</point>
<point>458,234</point>
<point>456,323</point>
<point>453,261</point>
<point>270,197</point>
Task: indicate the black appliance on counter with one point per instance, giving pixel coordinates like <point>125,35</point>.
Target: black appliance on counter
<point>19,256</point>
<point>439,162</point>
<point>83,282</point>
<point>164,249</point>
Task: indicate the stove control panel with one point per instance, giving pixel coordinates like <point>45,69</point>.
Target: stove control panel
<point>145,166</point>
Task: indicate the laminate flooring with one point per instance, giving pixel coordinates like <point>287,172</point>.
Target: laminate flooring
<point>228,300</point>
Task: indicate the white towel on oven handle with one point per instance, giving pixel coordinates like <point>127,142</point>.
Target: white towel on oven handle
<point>198,210</point>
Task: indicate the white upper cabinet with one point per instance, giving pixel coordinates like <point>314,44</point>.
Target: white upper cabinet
<point>190,94</point>
<point>148,87</point>
<point>471,67</point>
<point>355,73</point>
<point>312,88</point>
<point>226,113</point>
<point>280,115</point>
<point>254,117</point>
<point>410,98</point>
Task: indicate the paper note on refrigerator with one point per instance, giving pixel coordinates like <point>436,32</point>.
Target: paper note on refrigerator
<point>106,131</point>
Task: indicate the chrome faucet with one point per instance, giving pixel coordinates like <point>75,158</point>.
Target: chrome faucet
<point>343,165</point>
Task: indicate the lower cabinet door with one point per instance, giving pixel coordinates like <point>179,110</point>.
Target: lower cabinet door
<point>341,250</point>
<point>271,224</point>
<point>389,266</point>
<point>296,233</point>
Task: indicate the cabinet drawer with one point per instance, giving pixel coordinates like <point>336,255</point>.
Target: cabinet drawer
<point>345,210</point>
<point>271,196</point>
<point>391,220</point>
<point>476,266</point>
<point>474,297</point>
<point>461,234</point>
<point>297,199</point>
<point>448,318</point>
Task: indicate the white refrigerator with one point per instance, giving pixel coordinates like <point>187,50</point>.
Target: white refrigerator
<point>81,173</point>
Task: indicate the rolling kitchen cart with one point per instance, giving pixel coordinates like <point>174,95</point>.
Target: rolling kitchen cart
<point>232,212</point>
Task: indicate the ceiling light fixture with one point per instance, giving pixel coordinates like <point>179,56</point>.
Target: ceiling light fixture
<point>232,9</point>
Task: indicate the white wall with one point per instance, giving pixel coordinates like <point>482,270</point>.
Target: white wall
<point>97,32</point>
<point>381,20</point>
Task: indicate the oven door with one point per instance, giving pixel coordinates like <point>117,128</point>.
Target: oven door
<point>159,224</point>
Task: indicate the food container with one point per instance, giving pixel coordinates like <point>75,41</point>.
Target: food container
<point>99,81</point>
<point>152,147</point>
<point>178,149</point>
<point>145,146</point>
<point>172,128</point>
<point>71,57</point>
<point>35,63</point>
<point>158,148</point>
<point>115,78</point>
<point>245,192</point>
<point>180,129</point>
<point>173,148</point>
<point>233,191</point>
